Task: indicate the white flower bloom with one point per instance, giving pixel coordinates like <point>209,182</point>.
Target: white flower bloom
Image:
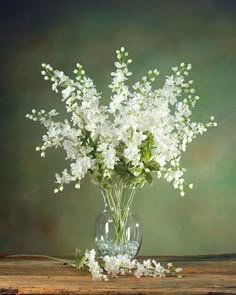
<point>159,269</point>
<point>94,267</point>
<point>190,185</point>
<point>132,154</point>
<point>140,271</point>
<point>126,262</point>
<point>109,154</point>
<point>67,92</point>
<point>178,269</point>
<point>80,167</point>
<point>112,265</point>
<point>121,264</point>
<point>143,130</point>
<point>60,75</point>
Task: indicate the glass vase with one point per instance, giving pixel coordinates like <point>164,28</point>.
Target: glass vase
<point>118,227</point>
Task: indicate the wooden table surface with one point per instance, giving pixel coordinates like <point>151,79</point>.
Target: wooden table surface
<point>211,274</point>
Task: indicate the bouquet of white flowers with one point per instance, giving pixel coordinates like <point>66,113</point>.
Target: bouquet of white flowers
<point>143,130</point>
<point>140,134</point>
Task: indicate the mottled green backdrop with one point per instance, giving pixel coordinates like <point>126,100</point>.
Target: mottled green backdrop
<point>157,34</point>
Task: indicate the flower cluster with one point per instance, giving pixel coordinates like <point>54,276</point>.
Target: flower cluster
<point>103,267</point>
<point>141,133</point>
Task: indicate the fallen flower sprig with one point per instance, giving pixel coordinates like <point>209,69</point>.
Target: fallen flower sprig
<point>102,268</point>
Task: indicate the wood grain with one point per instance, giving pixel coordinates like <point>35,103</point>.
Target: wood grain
<point>212,274</point>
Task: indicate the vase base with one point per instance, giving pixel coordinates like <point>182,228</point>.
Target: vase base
<point>113,249</point>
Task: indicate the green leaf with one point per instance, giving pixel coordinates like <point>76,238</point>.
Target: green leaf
<point>146,155</point>
<point>152,165</point>
<point>149,178</point>
<point>122,169</point>
<point>136,170</point>
<point>79,259</point>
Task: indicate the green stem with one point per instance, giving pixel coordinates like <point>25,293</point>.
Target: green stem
<point>42,256</point>
<point>118,199</point>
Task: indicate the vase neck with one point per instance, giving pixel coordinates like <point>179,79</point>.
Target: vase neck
<point>118,196</point>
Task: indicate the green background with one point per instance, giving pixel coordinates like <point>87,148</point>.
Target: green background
<point>157,34</point>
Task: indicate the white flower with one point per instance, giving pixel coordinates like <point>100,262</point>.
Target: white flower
<point>178,269</point>
<point>140,271</point>
<point>116,103</point>
<point>67,92</point>
<point>159,269</point>
<point>80,167</point>
<point>142,130</point>
<point>121,264</point>
<point>132,154</point>
<point>126,262</point>
<point>112,265</point>
<point>94,267</point>
<point>60,75</point>
<point>109,154</point>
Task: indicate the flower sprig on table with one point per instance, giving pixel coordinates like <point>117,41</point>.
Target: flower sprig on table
<point>141,133</point>
<point>102,268</point>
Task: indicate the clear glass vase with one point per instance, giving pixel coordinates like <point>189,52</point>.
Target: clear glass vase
<point>118,228</point>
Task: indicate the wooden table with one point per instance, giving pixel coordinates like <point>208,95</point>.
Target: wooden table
<point>211,274</point>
